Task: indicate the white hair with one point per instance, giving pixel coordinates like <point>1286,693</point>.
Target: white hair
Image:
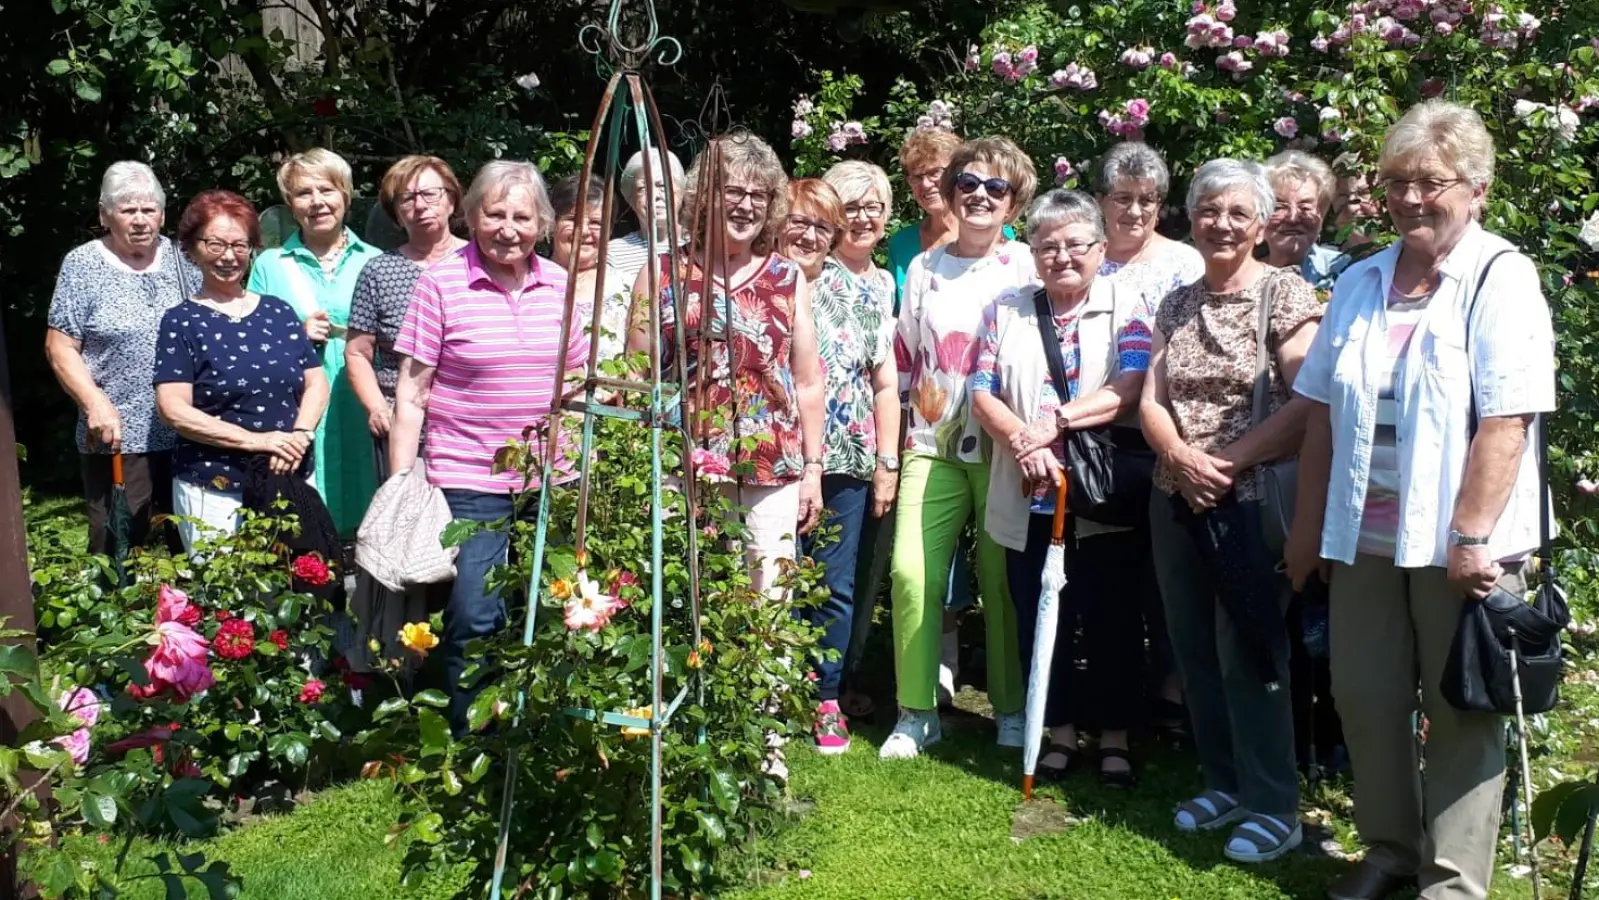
<point>501,175</point>
<point>853,179</point>
<point>634,170</point>
<point>1220,175</point>
<point>1296,166</point>
<point>1132,159</point>
<point>1454,132</point>
<point>129,180</point>
<point>1062,207</point>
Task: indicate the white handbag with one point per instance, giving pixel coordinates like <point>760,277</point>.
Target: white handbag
<point>399,541</point>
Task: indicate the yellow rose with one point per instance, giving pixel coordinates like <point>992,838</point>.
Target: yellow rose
<point>633,731</point>
<point>561,589</point>
<point>418,636</point>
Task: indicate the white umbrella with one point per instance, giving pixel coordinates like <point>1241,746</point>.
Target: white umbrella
<point>1054,581</point>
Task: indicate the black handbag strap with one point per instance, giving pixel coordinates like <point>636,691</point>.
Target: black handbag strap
<point>1051,339</point>
<point>1540,430</point>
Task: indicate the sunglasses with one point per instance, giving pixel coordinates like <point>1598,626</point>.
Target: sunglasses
<point>967,183</point>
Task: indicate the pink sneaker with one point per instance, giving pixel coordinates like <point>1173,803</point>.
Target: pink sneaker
<point>832,731</point>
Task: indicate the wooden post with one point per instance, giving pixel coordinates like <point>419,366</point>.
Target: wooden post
<point>16,590</point>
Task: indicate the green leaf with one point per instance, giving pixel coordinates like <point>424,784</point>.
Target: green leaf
<point>606,865</point>
<point>1573,815</point>
<point>388,708</point>
<point>480,767</point>
<point>456,533</point>
<point>433,698</point>
<point>1546,806</point>
<point>435,733</point>
<point>88,92</point>
<point>482,708</point>
<point>451,781</point>
<point>427,827</point>
<point>58,67</point>
<point>712,825</point>
<point>329,731</point>
<point>100,810</point>
<point>293,748</point>
<point>724,791</point>
<point>239,763</point>
<point>18,660</point>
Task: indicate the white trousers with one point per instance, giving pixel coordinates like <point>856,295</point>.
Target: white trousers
<point>772,519</point>
<point>217,511</point>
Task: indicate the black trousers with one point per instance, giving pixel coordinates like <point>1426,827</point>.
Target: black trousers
<point>1101,624</point>
<point>147,478</point>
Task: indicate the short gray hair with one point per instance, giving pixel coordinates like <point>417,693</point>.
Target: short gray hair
<point>1224,174</point>
<point>130,180</point>
<point>853,179</point>
<point>1062,207</point>
<point>1131,159</point>
<point>1454,132</point>
<point>1297,165</point>
<point>634,170</point>
<point>501,175</point>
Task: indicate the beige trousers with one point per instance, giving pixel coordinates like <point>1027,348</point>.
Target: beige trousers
<point>772,518</point>
<point>1391,630</point>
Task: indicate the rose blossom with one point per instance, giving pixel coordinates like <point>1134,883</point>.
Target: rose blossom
<point>312,692</point>
<point>312,569</point>
<point>1286,126</point>
<point>1002,64</point>
<point>1168,60</point>
<point>1226,11</point>
<point>836,141</point>
<point>1444,28</point>
<point>81,704</point>
<point>589,609</point>
<point>1137,57</point>
<point>1138,111</point>
<point>711,466</point>
<point>974,58</point>
<point>801,129</point>
<point>76,744</point>
<point>234,640</point>
<point>1319,44</point>
<point>1063,169</point>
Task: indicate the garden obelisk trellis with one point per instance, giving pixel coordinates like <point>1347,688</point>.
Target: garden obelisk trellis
<point>627,116</point>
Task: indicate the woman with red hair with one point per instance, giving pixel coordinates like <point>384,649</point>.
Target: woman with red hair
<point>235,374</point>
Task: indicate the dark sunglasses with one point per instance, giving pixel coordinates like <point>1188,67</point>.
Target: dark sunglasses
<point>967,183</point>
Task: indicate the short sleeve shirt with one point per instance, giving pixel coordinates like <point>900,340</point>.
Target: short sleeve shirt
<point>1210,361</point>
<point>1175,265</point>
<point>854,334</point>
<point>248,372</point>
<point>115,313</point>
<point>382,295</point>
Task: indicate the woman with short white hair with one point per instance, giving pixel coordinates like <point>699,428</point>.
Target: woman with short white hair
<point>104,322</point>
<point>628,253</point>
<point>1418,489</point>
<point>1131,182</point>
<point>1217,408</point>
<point>1303,187</point>
<point>316,271</point>
<point>478,365</point>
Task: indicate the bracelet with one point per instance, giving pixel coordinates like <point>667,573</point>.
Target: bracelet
<point>813,461</point>
<point>310,431</point>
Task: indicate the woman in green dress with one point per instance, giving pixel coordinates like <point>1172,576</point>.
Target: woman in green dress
<point>315,271</point>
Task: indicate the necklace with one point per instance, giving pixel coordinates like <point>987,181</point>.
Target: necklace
<point>330,260</point>
<point>233,307</point>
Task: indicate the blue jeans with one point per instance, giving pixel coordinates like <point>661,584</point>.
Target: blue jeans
<point>845,500</point>
<point>473,611</point>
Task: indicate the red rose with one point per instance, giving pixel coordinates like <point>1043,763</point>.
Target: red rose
<point>312,692</point>
<point>191,616</point>
<point>223,615</point>
<point>280,638</point>
<point>234,640</point>
<point>312,570</point>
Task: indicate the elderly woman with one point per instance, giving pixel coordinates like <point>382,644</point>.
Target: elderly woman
<point>764,378</point>
<point>579,254</point>
<point>1104,340</point>
<point>1352,204</point>
<point>944,480</point>
<point>104,321</point>
<point>316,270</point>
<point>1303,188</point>
<point>924,156</point>
<point>489,311</point>
<point>1418,487</point>
<point>235,375</point>
<point>628,253</point>
<point>1223,595</point>
<point>421,194</point>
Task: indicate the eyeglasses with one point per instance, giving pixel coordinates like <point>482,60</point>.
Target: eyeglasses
<point>798,225</point>
<point>217,247</point>
<point>1284,209</point>
<point>733,195</point>
<point>1132,201</point>
<point>929,175</point>
<point>427,196</point>
<point>967,183</point>
<point>1237,218</point>
<point>1427,188</point>
<point>872,210</point>
<point>1053,251</point>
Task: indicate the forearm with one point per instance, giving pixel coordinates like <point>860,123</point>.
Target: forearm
<point>1315,466</point>
<point>66,360</point>
<point>313,402</point>
<point>1492,465</point>
<point>1276,438</point>
<point>1160,429</point>
<point>811,402</point>
<point>885,410</point>
<point>363,377</point>
<point>202,428</point>
<point>410,409</point>
<point>1107,404</point>
<point>995,417</point>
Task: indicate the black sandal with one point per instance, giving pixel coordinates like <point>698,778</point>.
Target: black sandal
<point>1170,721</point>
<point>1074,759</point>
<point>1119,780</point>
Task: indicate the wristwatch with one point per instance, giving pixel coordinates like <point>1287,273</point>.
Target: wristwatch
<point>1456,539</point>
<point>888,461</point>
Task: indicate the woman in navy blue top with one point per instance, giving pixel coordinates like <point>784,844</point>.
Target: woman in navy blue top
<point>235,375</point>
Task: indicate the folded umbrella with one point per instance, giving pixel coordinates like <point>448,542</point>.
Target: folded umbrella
<point>119,519</point>
<point>1053,582</point>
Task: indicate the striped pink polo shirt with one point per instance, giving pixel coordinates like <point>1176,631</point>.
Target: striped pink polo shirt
<point>494,357</point>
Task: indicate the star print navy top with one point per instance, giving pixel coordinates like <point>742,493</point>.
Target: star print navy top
<point>247,372</point>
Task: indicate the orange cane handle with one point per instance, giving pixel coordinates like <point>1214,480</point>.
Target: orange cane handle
<point>116,470</point>
<point>1058,529</point>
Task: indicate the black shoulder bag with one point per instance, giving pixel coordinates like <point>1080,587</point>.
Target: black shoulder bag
<point>1506,650</point>
<point>1110,466</point>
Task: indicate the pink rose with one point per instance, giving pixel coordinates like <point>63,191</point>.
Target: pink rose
<point>974,58</point>
<point>1226,11</point>
<point>711,466</point>
<point>1063,169</point>
<point>1319,44</point>
<point>1168,60</point>
<point>801,129</point>
<point>1286,126</point>
<point>172,605</point>
<point>82,704</point>
<point>837,141</point>
<point>1029,54</point>
<point>76,744</point>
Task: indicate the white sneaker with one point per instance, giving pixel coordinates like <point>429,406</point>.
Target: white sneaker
<point>917,728</point>
<point>776,765</point>
<point>1012,729</point>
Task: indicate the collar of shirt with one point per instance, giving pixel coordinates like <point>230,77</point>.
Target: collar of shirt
<point>294,246</point>
<point>1462,261</point>
<point>478,276</point>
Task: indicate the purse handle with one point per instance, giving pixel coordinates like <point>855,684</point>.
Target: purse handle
<point>1541,430</point>
<point>1262,391</point>
<point>1045,313</point>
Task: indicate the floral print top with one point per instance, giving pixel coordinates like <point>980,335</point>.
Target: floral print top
<point>1174,266</point>
<point>937,340</point>
<point>749,391</point>
<point>854,330</point>
<point>1210,361</point>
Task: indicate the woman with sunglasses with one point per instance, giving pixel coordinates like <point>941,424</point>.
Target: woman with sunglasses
<point>944,479</point>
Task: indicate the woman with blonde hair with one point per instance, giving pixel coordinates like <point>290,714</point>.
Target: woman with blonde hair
<point>1304,192</point>
<point>316,271</point>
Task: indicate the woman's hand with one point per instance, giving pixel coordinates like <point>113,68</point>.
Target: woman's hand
<point>1041,432</point>
<point>885,484</point>
<point>810,504</point>
<point>104,425</point>
<point>1302,553</point>
<point>318,326</point>
<point>1039,469</point>
<point>1202,479</point>
<point>379,419</point>
<point>286,449</point>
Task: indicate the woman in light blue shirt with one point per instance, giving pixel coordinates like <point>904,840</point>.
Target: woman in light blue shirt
<point>1304,189</point>
<point>315,271</point>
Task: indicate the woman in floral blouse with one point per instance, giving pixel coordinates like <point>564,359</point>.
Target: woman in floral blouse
<point>944,483</point>
<point>763,378</point>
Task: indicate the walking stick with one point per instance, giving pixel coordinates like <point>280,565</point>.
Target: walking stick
<point>1526,774</point>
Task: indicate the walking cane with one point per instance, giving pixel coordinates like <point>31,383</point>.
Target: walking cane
<point>1526,774</point>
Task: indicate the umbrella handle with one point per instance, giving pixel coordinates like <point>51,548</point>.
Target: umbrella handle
<point>116,470</point>
<point>1058,529</point>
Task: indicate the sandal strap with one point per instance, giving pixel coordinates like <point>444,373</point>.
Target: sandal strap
<point>1265,832</point>
<point>1208,807</point>
<point>1062,749</point>
<point>1115,753</point>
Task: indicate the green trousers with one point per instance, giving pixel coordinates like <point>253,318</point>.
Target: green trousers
<point>937,498</point>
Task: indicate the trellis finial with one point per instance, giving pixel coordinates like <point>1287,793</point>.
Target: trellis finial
<point>630,51</point>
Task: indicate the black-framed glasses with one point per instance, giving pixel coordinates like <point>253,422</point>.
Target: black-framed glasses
<point>967,183</point>
<point>427,196</point>
<point>217,247</point>
<point>872,210</point>
<point>1427,188</point>
<point>733,195</point>
<point>1053,251</point>
<point>800,224</point>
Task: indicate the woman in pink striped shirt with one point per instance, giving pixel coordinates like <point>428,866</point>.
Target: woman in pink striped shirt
<point>479,353</point>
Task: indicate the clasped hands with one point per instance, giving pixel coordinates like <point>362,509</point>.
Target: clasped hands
<point>1202,478</point>
<point>285,448</point>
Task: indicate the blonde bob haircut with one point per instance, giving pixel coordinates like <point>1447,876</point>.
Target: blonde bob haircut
<point>1452,131</point>
<point>1008,162</point>
<point>747,158</point>
<point>402,173</point>
<point>855,181</point>
<point>815,197</point>
<point>1297,166</point>
<point>498,178</point>
<point>925,147</point>
<point>315,163</point>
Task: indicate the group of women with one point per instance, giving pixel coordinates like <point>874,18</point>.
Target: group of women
<point>934,403</point>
